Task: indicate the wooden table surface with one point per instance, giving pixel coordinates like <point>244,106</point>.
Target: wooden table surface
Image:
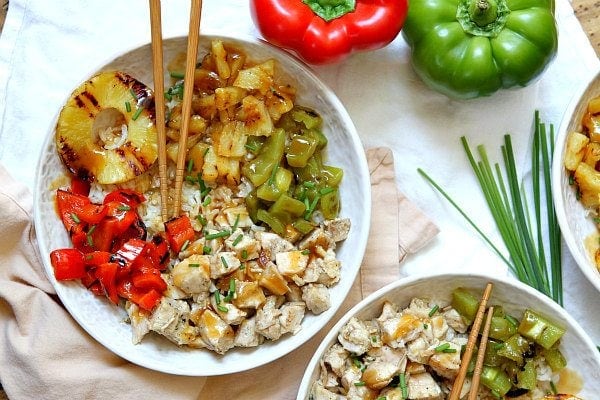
<point>587,11</point>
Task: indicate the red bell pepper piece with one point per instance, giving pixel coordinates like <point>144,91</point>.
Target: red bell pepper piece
<point>80,186</point>
<point>179,231</point>
<point>149,300</point>
<point>95,258</point>
<point>68,264</point>
<point>159,251</point>
<point>128,197</point>
<point>149,281</point>
<point>107,274</point>
<point>326,31</point>
<point>69,207</point>
<point>92,213</point>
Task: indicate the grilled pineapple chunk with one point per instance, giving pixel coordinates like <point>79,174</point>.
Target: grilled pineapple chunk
<point>588,181</point>
<point>98,139</point>
<point>576,143</point>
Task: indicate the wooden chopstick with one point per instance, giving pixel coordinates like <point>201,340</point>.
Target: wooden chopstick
<point>481,355</point>
<point>188,88</point>
<point>159,103</point>
<point>464,363</point>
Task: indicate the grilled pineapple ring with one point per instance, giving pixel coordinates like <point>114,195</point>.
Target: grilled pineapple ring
<point>104,133</point>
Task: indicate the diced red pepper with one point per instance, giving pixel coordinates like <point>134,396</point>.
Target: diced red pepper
<point>80,186</point>
<point>69,207</point>
<point>89,278</point>
<point>149,281</point>
<point>107,274</point>
<point>130,251</point>
<point>68,264</point>
<point>92,213</point>
<point>128,197</point>
<point>149,300</point>
<point>179,231</point>
<point>95,258</point>
<point>97,289</point>
<point>160,250</point>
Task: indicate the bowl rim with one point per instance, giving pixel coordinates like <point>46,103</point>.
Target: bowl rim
<point>379,295</point>
<point>589,270</point>
<point>363,225</point>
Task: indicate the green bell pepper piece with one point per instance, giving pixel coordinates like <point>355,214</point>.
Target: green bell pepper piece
<point>301,148</point>
<point>287,208</point>
<point>492,358</point>
<point>514,348</point>
<point>330,204</point>
<point>465,304</point>
<point>276,185</point>
<point>526,376</point>
<point>554,359</point>
<point>309,118</point>
<point>501,328</point>
<point>259,169</point>
<point>496,380</point>
<point>274,223</point>
<point>539,329</point>
<point>252,205</point>
<point>303,226</point>
<point>471,48</point>
<point>332,176</point>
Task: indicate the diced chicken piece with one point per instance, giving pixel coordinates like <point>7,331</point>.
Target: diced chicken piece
<point>351,375</point>
<point>358,392</point>
<point>244,246</point>
<point>396,357</point>
<point>392,393</point>
<point>291,263</point>
<point>295,292</point>
<point>316,297</point>
<point>273,281</point>
<point>248,295</point>
<point>291,317</point>
<point>215,332</point>
<point>318,392</point>
<point>324,270</point>
<point>327,377</point>
<point>317,238</point>
<point>399,330</point>
<point>455,321</point>
<point>423,387</point>
<point>223,263</point>
<point>388,311</point>
<point>379,374</point>
<point>414,368</point>
<point>419,350</point>
<point>439,327</point>
<point>273,243</point>
<point>233,315</point>
<point>139,322</point>
<point>355,336</point>
<point>170,320</point>
<point>338,228</point>
<point>267,319</point>
<point>446,364</point>
<point>238,214</point>
<point>419,308</point>
<point>336,357</point>
<point>192,275</point>
<point>246,335</point>
<point>173,291</point>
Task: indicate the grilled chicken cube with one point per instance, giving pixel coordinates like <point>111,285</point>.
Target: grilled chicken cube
<point>238,216</point>
<point>318,392</point>
<point>357,392</point>
<point>576,143</point>
<point>223,263</point>
<point>273,243</point>
<point>240,243</point>
<point>170,319</point>
<point>423,387</point>
<point>273,281</point>
<point>317,238</point>
<point>439,327</point>
<point>316,297</point>
<point>248,295</point>
<point>172,291</point>
<point>419,350</point>
<point>399,330</point>
<point>247,335</point>
<point>446,364</point>
<point>291,317</point>
<point>227,311</point>
<point>267,319</point>
<point>355,336</point>
<point>337,229</point>
<point>139,322</point>
<point>215,332</point>
<point>336,357</point>
<point>455,321</point>
<point>192,275</point>
<point>291,263</point>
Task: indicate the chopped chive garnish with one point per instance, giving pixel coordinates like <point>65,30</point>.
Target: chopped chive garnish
<point>137,113</point>
<point>90,241</point>
<point>222,308</point>
<point>190,179</point>
<point>242,267</point>
<point>273,173</point>
<point>124,207</point>
<point>185,245</point>
<point>382,398</point>
<point>128,106</point>
<point>75,218</point>
<point>498,346</point>
<point>252,147</point>
<point>402,385</point>
<point>133,94</point>
<point>311,208</point>
<point>231,291</point>
<point>442,347</point>
<point>193,265</point>
<point>244,254</point>
<point>217,235</point>
<point>89,257</point>
<point>512,320</point>
<point>305,252</point>
<point>597,220</point>
<point>571,180</point>
<point>201,219</point>
<point>217,297</point>
<point>357,363</point>
<point>206,201</point>
<point>309,184</point>
<point>553,388</point>
<point>238,239</point>
<point>374,339</point>
<point>177,75</point>
<point>433,310</point>
<point>450,350</point>
<point>425,326</point>
<point>359,383</point>
<point>207,249</point>
<point>235,223</point>
<point>326,190</point>
<point>190,165</point>
<point>206,152</point>
<point>224,261</point>
<point>92,229</point>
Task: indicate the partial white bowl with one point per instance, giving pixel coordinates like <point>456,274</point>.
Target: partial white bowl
<point>581,354</point>
<point>574,220</point>
<point>104,321</point>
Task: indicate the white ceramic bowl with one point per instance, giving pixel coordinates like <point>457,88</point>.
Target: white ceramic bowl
<point>574,220</point>
<point>105,322</point>
<point>581,354</point>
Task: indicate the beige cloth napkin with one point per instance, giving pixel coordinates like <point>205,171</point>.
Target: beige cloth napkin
<point>45,354</point>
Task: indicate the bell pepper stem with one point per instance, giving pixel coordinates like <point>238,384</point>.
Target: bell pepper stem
<point>483,12</point>
<point>482,17</point>
<point>330,9</point>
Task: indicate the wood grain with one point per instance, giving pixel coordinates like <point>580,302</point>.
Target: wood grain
<point>588,14</point>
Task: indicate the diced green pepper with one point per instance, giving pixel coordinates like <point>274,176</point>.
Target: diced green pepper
<point>514,348</point>
<point>332,176</point>
<point>501,328</point>
<point>252,204</point>
<point>274,223</point>
<point>303,226</point>
<point>301,148</point>
<point>539,329</point>
<point>330,204</point>
<point>254,144</point>
<point>527,377</point>
<point>496,380</point>
<point>554,358</point>
<point>287,208</point>
<point>492,358</point>
<point>273,188</point>
<point>311,171</point>
<point>318,136</point>
<point>465,304</point>
<point>260,168</point>
<point>306,116</point>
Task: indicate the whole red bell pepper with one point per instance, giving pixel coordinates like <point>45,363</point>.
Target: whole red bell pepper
<point>327,31</point>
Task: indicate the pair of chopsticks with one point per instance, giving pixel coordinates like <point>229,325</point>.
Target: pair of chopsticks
<point>464,363</point>
<point>159,88</point>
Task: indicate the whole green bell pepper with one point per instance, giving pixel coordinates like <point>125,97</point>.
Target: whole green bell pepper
<point>471,48</point>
